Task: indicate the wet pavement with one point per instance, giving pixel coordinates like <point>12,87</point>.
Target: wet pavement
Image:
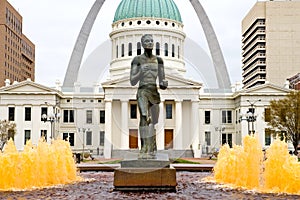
<point>99,185</point>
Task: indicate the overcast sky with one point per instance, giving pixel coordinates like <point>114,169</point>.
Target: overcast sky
<point>53,26</point>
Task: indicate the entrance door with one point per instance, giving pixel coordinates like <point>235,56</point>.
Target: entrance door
<point>133,138</point>
<point>168,138</point>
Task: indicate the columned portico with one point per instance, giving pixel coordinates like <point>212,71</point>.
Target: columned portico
<point>160,131</point>
<point>108,129</point>
<point>195,129</point>
<point>178,130</point>
<point>124,125</point>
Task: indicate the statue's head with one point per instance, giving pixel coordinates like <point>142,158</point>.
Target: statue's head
<point>147,41</point>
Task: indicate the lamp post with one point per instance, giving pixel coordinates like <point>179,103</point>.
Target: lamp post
<point>83,131</point>
<point>250,118</point>
<point>52,118</point>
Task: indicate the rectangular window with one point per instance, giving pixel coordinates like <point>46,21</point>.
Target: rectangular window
<point>130,49</point>
<point>133,111</point>
<point>44,111</point>
<point>267,114</point>
<point>122,50</point>
<point>68,116</point>
<point>267,136</point>
<point>207,117</point>
<point>44,135</point>
<point>27,114</point>
<point>11,134</point>
<point>227,139</point>
<point>89,116</point>
<point>69,137</point>
<point>169,111</point>
<point>117,51</point>
<point>11,114</point>
<point>27,136</point>
<point>71,115</point>
<point>102,135</point>
<point>208,138</point>
<point>226,116</point>
<point>89,138</point>
<point>166,50</point>
<point>102,116</point>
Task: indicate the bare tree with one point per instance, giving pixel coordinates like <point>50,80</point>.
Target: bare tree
<point>285,118</point>
<point>7,131</point>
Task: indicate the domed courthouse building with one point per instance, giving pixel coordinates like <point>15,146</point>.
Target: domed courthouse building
<point>194,119</point>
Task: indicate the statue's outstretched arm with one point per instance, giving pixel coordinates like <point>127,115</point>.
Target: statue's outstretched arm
<point>135,71</point>
<point>163,83</point>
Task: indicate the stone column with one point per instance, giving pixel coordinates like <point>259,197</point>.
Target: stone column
<point>124,125</point>
<point>160,130</point>
<point>195,122</point>
<point>178,130</point>
<point>108,129</point>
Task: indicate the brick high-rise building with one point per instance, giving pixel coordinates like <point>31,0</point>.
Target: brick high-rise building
<point>271,42</point>
<point>17,52</point>
<point>295,81</point>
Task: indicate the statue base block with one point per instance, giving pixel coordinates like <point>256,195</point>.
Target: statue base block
<point>145,174</point>
<point>133,161</point>
<point>140,179</point>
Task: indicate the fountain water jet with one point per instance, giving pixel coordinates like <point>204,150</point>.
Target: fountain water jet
<point>249,168</point>
<point>38,166</point>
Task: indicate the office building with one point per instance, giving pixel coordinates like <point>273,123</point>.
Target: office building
<point>17,52</point>
<point>271,42</point>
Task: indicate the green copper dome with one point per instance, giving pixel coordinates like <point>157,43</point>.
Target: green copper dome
<point>147,8</point>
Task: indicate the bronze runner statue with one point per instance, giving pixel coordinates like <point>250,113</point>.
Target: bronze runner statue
<point>145,69</point>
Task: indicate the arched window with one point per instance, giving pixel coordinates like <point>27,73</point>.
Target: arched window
<point>117,51</point>
<point>173,50</point>
<point>178,52</point>
<point>166,50</point>
<point>122,50</point>
<point>139,50</point>
<point>130,49</point>
<point>157,48</point>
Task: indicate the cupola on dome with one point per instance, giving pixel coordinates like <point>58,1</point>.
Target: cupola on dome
<point>166,9</point>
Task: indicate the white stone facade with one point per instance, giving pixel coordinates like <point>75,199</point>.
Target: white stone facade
<point>188,124</point>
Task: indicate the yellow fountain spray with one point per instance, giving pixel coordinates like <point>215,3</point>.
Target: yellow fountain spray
<point>38,166</point>
<point>248,167</point>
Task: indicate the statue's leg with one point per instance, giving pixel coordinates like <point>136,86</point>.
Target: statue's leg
<point>143,109</point>
<point>143,135</point>
<point>152,140</point>
<point>154,112</point>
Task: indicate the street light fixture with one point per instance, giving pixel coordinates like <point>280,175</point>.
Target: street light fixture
<point>252,105</point>
<point>52,118</point>
<point>250,116</point>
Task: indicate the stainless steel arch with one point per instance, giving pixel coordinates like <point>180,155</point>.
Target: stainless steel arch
<point>214,47</point>
<point>78,50</point>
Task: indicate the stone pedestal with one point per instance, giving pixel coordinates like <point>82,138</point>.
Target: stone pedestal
<point>145,174</point>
